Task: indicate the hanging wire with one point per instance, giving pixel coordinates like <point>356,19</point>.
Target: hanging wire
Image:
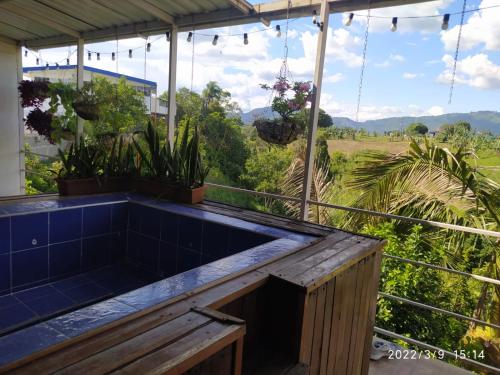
<point>361,77</point>
<point>452,86</point>
<point>432,15</point>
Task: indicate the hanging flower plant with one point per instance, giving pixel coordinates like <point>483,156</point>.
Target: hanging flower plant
<point>33,93</point>
<point>86,104</point>
<point>289,99</point>
<point>40,122</point>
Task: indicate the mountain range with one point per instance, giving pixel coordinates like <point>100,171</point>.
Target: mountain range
<point>488,121</point>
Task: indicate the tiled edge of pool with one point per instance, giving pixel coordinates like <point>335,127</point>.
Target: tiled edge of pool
<point>37,337</point>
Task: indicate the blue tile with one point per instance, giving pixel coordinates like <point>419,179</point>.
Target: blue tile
<point>28,341</point>
<point>7,301</point>
<point>240,240</point>
<point>86,293</point>
<point>64,258</point>
<point>119,216</point>
<point>30,266</point>
<point>29,231</point>
<point>34,293</point>
<point>168,259</point>
<point>14,316</point>
<point>4,272</point>
<point>151,222</point>
<point>4,235</point>
<point>117,279</point>
<point>95,252</point>
<point>118,246</point>
<point>169,227</point>
<point>70,283</point>
<point>50,304</point>
<point>134,246</point>
<point>135,217</point>
<point>215,239</point>
<point>65,225</point>
<point>187,259</point>
<point>96,220</point>
<point>91,317</point>
<point>190,232</point>
<point>149,253</point>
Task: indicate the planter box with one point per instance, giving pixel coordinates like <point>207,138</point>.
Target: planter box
<point>84,186</point>
<point>159,189</point>
<point>191,196</point>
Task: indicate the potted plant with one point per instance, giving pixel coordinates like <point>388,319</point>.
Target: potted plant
<point>192,173</point>
<point>288,100</point>
<point>158,177</point>
<point>119,166</point>
<point>33,93</point>
<point>86,104</point>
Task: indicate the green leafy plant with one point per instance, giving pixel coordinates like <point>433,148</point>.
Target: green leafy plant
<point>120,161</point>
<point>83,160</point>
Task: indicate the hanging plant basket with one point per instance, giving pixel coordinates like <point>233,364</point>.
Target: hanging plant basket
<point>86,110</point>
<point>277,131</point>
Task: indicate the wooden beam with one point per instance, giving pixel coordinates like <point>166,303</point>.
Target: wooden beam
<point>41,19</point>
<point>314,111</point>
<point>80,52</point>
<point>172,86</point>
<point>153,10</point>
<point>242,5</point>
<point>20,122</point>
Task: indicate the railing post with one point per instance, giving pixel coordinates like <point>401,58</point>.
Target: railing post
<point>80,52</point>
<point>314,112</point>
<point>20,116</point>
<point>172,82</point>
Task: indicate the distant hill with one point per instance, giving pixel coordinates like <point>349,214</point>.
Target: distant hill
<point>482,121</point>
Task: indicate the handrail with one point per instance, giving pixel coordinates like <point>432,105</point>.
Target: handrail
<point>450,270</point>
<point>434,349</point>
<point>257,193</point>
<point>437,309</point>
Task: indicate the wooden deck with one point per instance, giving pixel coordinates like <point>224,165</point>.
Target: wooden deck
<point>314,307</point>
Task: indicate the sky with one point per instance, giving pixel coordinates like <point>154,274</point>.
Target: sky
<point>407,72</point>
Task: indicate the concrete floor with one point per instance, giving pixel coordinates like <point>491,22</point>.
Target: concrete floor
<point>414,367</point>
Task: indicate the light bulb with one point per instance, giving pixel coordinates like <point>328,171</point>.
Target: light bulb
<point>446,21</point>
<point>37,61</point>
<point>148,47</point>
<point>130,53</point>
<point>25,53</point>
<point>349,19</point>
<point>89,55</point>
<point>98,56</point>
<point>394,26</point>
<point>190,37</point>
<point>67,61</point>
<point>167,35</point>
<point>245,39</point>
<point>315,16</point>
<point>216,38</point>
<point>278,31</point>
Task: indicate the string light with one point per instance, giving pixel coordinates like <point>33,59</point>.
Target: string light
<point>349,19</point>
<point>315,17</point>
<point>47,66</point>
<point>89,56</point>
<point>67,61</point>
<point>113,56</point>
<point>216,38</point>
<point>37,61</point>
<point>190,37</point>
<point>167,35</point>
<point>446,21</point>
<point>98,56</point>
<point>129,53</point>
<point>148,47</point>
<point>394,26</point>
<point>25,53</point>
<point>57,65</point>
<point>278,31</point>
<point>245,39</point>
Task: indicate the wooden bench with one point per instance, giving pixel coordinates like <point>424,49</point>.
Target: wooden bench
<point>197,339</point>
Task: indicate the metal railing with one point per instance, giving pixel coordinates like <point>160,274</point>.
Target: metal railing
<point>417,304</point>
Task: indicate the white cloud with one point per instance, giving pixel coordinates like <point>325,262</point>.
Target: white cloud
<point>436,111</point>
<point>407,75</point>
<point>476,71</point>
<point>481,29</point>
<point>333,78</point>
<point>390,60</point>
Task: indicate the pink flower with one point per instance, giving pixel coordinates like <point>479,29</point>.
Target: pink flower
<point>304,87</point>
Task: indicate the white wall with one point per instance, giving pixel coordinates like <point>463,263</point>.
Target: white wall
<point>10,157</point>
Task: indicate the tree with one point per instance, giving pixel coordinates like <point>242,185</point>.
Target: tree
<point>417,128</point>
<point>324,119</point>
<point>189,103</point>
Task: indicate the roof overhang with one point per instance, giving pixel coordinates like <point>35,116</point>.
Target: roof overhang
<point>52,23</point>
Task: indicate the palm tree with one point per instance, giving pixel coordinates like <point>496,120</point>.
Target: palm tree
<point>433,183</point>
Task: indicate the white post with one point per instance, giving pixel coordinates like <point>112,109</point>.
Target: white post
<point>20,115</point>
<point>172,82</point>
<point>314,112</point>
<point>80,52</point>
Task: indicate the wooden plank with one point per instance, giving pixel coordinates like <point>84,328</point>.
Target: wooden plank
<point>187,352</point>
<point>238,356</point>
<point>336,314</point>
<point>330,292</point>
<point>345,333</point>
<point>133,349</point>
<point>372,296</point>
<point>306,336</point>
<point>335,265</point>
<point>318,331</point>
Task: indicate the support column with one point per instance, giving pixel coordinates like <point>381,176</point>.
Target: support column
<point>314,112</point>
<point>20,116</point>
<point>172,82</point>
<point>80,53</point>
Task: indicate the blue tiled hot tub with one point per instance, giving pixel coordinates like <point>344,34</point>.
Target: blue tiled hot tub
<point>70,265</point>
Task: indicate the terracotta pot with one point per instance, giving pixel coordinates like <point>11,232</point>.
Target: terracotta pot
<point>85,186</point>
<point>190,196</point>
<point>154,187</point>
